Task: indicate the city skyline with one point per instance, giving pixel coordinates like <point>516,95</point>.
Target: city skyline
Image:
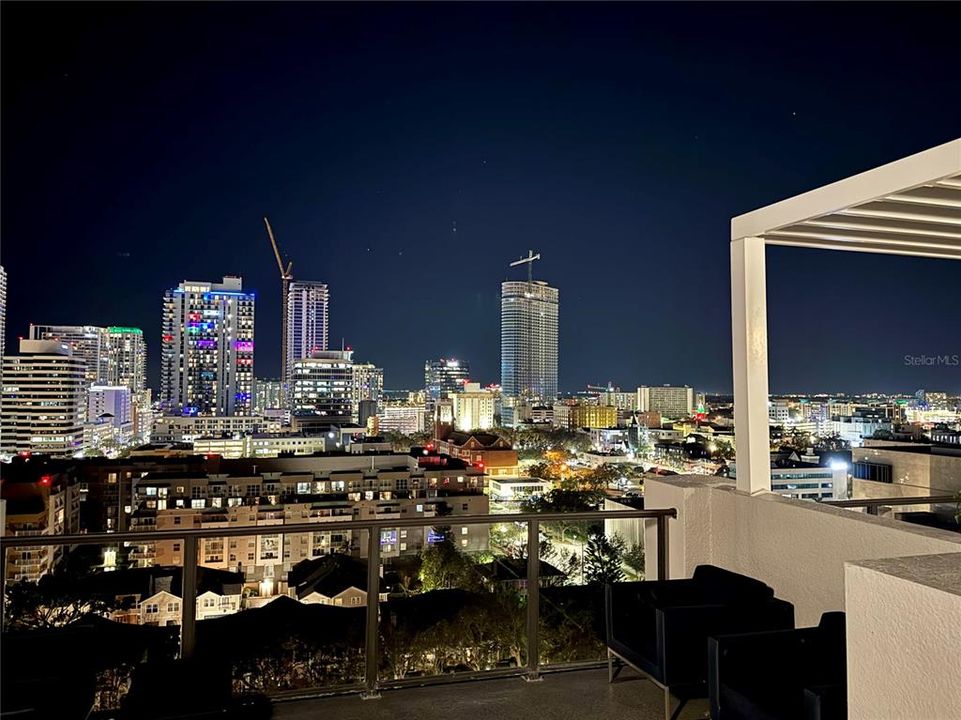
<point>576,166</point>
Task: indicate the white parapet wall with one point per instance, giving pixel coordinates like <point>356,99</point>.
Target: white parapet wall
<point>798,547</point>
<point>904,638</point>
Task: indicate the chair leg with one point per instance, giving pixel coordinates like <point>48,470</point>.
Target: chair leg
<point>667,704</point>
<point>614,667</point>
<point>677,711</point>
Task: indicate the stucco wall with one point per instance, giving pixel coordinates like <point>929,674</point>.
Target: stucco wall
<point>798,547</point>
<point>904,638</point>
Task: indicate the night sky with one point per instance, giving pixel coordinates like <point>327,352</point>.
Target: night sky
<point>406,153</point>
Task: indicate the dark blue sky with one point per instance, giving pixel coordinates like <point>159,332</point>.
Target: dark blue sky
<point>143,143</point>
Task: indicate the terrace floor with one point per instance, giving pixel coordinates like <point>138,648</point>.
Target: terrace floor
<point>578,695</point>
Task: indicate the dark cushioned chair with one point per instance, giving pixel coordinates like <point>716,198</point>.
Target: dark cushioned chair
<point>660,628</point>
<point>787,674</point>
<point>189,689</point>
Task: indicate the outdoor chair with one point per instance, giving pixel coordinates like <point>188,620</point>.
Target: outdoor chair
<point>660,628</point>
<point>784,674</point>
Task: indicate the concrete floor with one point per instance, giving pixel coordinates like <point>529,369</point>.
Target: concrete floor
<point>580,695</point>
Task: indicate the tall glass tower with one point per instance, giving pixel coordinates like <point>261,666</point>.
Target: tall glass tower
<point>307,321</point>
<point>528,345</point>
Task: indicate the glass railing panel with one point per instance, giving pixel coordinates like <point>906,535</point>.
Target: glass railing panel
<point>456,604</point>
<point>577,559</point>
<point>297,619</point>
<point>88,609</point>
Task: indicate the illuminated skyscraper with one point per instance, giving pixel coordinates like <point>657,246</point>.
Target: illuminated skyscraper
<point>127,358</point>
<point>368,386</point>
<point>528,345</point>
<point>3,308</point>
<point>307,321</point>
<point>443,377</point>
<point>86,342</point>
<point>207,354</point>
<point>43,406</point>
<point>322,387</point>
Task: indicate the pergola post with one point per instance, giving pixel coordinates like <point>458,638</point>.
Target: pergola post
<point>749,334</point>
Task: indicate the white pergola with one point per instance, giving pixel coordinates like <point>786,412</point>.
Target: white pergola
<point>908,207</point>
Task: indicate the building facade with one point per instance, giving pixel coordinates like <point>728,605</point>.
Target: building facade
<point>322,385</point>
<point>529,315</point>
<point>368,386</point>
<point>307,321</point>
<point>126,358</point>
<point>404,418</point>
<point>87,343</point>
<point>269,394</point>
<point>110,400</point>
<point>207,355</point>
<point>42,407</point>
<point>3,309</point>
<point>670,401</point>
<point>592,416</point>
<point>443,377</point>
<point>473,408</point>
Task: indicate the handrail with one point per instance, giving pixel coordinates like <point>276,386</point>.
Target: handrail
<point>371,634</point>
<point>12,541</point>
<point>872,506</point>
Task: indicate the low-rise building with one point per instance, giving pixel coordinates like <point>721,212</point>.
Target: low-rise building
<point>592,416</point>
<point>178,429</point>
<point>488,452</point>
<point>39,500</point>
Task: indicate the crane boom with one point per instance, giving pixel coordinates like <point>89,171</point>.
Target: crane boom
<point>285,274</point>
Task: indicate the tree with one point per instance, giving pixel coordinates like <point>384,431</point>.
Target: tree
<point>53,601</point>
<point>634,559</point>
<point>601,477</point>
<point>443,566</point>
<point>602,559</point>
<point>831,443</point>
<point>562,500</point>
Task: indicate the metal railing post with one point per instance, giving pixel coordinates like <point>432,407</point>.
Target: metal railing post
<point>372,632</point>
<point>188,591</point>
<point>663,572</point>
<point>533,600</point>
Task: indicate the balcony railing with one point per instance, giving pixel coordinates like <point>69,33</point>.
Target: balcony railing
<point>872,506</point>
<point>371,684</point>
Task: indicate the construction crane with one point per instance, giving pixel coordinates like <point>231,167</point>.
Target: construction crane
<point>529,261</point>
<point>286,276</point>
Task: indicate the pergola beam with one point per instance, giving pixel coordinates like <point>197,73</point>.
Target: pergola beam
<point>909,207</point>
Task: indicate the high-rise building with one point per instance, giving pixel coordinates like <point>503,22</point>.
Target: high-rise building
<point>322,386</point>
<point>268,395</point>
<point>127,358</point>
<point>443,377</point>
<point>307,321</point>
<point>3,309</point>
<point>473,408</point>
<point>672,402</point>
<point>87,343</point>
<point>368,386</point>
<point>42,408</point>
<point>113,401</point>
<point>529,312</point>
<point>207,354</point>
